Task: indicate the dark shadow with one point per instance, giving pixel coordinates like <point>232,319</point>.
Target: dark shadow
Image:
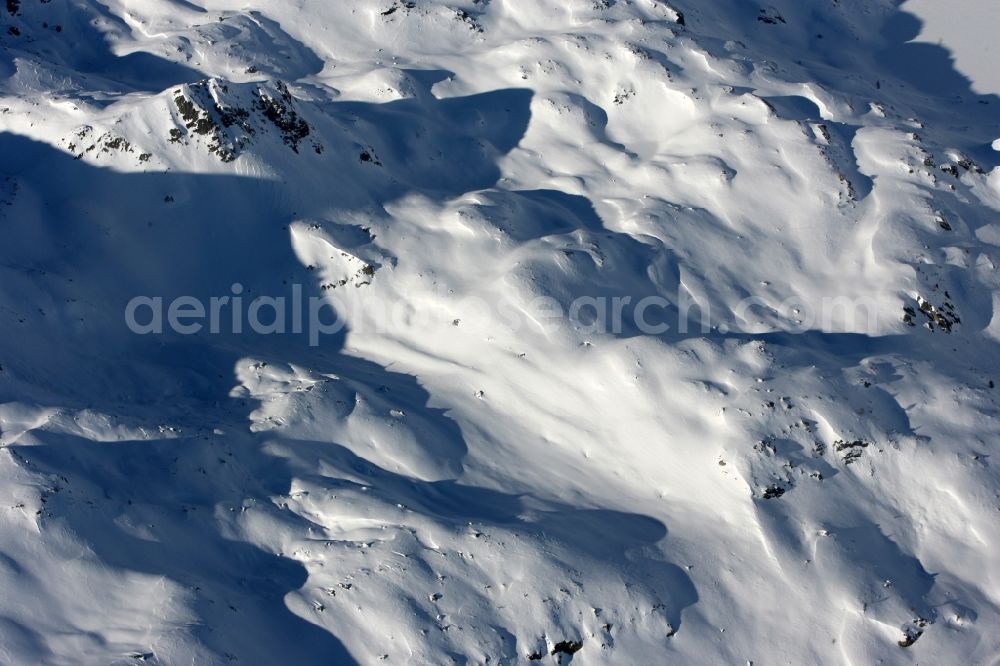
<point>944,95</point>
<point>870,55</point>
<point>838,141</point>
<point>272,52</point>
<point>189,6</point>
<point>866,545</point>
<point>597,120</point>
<point>793,451</point>
<point>569,245</point>
<point>90,239</point>
<point>893,584</point>
<point>795,107</point>
<point>83,241</point>
<point>238,589</point>
<point>469,134</point>
<point>571,211</point>
<point>529,215</point>
<point>143,71</point>
<point>929,68</point>
<point>63,33</point>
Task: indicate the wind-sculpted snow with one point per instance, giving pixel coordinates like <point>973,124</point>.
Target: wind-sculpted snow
<point>593,332</point>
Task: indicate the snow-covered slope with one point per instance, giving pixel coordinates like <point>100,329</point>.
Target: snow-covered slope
<point>968,29</point>
<point>667,335</point>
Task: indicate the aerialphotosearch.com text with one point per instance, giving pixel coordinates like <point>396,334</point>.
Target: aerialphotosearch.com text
<point>318,316</point>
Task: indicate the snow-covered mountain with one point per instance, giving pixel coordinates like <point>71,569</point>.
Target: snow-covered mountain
<point>495,331</point>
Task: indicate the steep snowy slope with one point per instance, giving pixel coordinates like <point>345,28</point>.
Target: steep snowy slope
<point>590,331</point>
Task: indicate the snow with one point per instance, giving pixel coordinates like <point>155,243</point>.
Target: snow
<point>968,29</point>
<point>649,333</point>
